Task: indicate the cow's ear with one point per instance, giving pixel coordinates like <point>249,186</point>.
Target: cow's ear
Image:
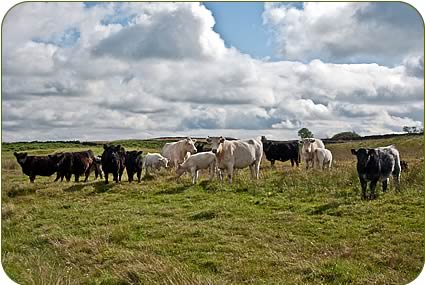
<point>222,140</point>
<point>371,152</point>
<point>194,140</point>
<point>353,151</point>
<point>15,154</point>
<point>208,139</point>
<point>105,146</point>
<point>312,140</point>
<point>139,152</point>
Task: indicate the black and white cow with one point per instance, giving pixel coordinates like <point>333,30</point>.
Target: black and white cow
<point>377,164</point>
<point>281,150</point>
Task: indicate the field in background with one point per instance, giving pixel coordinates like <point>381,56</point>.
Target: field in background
<point>290,227</point>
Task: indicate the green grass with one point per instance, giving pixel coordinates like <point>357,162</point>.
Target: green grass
<point>290,227</point>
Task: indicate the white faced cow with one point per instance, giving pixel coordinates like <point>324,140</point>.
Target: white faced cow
<point>307,152</point>
<point>176,151</point>
<point>237,154</point>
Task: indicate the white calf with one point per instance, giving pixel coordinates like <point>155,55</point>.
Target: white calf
<point>154,161</point>
<point>194,163</point>
<point>307,151</point>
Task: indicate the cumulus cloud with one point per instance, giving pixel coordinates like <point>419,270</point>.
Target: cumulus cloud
<point>140,70</point>
<point>346,31</point>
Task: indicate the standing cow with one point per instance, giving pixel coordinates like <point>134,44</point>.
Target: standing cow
<point>237,154</point>
<point>176,152</point>
<point>77,163</point>
<point>323,158</point>
<point>113,161</point>
<point>36,165</point>
<point>281,150</point>
<point>194,163</point>
<point>377,164</point>
<point>308,147</point>
<point>133,164</point>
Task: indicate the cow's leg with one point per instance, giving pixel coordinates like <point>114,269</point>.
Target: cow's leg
<point>57,176</point>
<point>194,174</point>
<point>139,175</point>
<point>115,174</point>
<point>120,174</point>
<point>106,177</point>
<point>292,162</point>
<point>372,189</point>
<point>68,177</point>
<point>272,162</point>
<point>396,176</point>
<point>363,183</point>
<point>32,178</point>
<point>230,173</point>
<point>252,171</point>
<point>130,176</point>
<point>77,177</point>
<point>212,170</point>
<point>87,173</point>
<point>384,185</point>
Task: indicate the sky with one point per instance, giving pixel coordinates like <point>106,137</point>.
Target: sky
<point>107,71</point>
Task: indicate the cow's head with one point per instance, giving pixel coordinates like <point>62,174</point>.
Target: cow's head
<point>215,143</point>
<point>308,145</point>
<point>189,145</point>
<point>365,155</point>
<point>163,162</point>
<point>21,157</point>
<point>180,170</point>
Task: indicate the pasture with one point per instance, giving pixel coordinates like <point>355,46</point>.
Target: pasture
<point>292,226</point>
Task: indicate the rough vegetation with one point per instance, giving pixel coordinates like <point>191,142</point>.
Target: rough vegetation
<point>290,227</point>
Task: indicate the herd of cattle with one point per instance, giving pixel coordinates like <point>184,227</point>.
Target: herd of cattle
<point>224,155</point>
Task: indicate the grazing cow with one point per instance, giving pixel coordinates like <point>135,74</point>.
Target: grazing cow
<point>133,164</point>
<point>377,164</point>
<point>323,158</point>
<point>309,145</point>
<point>176,152</point>
<point>154,161</point>
<point>35,165</point>
<point>113,161</point>
<point>281,150</point>
<point>77,163</point>
<point>237,154</point>
<point>194,163</point>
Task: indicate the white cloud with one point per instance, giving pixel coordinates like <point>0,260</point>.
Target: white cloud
<point>346,31</point>
<point>193,86</point>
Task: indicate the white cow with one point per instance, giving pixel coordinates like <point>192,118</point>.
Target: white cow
<point>237,154</point>
<point>194,163</point>
<point>154,161</point>
<point>323,158</point>
<point>307,151</point>
<point>176,152</point>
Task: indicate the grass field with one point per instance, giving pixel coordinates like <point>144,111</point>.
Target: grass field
<point>290,227</point>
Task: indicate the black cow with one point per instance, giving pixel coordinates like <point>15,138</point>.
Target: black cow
<point>202,146</point>
<point>36,165</point>
<point>281,150</point>
<point>113,161</point>
<point>133,164</point>
<point>377,164</point>
<point>77,163</point>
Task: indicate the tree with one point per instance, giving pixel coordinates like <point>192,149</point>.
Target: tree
<point>413,130</point>
<point>305,133</point>
<point>345,136</point>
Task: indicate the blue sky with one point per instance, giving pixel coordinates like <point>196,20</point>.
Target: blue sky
<point>240,25</point>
